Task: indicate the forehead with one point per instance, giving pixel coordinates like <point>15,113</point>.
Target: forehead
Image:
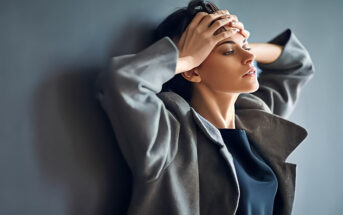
<point>237,38</point>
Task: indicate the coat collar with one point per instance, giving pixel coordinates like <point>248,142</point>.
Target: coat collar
<point>274,136</point>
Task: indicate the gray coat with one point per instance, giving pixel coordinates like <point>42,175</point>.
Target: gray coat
<point>178,160</point>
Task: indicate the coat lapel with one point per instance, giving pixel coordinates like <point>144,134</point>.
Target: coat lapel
<point>274,136</point>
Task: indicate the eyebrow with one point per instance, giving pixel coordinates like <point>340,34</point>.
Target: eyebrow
<point>230,41</point>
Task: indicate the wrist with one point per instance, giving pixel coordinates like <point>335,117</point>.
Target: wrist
<point>183,64</point>
<point>266,53</point>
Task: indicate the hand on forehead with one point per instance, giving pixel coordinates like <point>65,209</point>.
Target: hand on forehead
<point>235,25</point>
<point>238,35</point>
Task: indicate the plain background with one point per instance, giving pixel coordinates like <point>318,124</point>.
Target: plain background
<point>56,147</point>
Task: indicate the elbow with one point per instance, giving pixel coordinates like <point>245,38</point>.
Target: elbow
<point>308,66</point>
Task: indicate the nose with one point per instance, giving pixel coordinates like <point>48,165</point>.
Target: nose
<point>248,57</point>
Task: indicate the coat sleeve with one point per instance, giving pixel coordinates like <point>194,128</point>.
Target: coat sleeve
<point>147,133</point>
<point>281,81</point>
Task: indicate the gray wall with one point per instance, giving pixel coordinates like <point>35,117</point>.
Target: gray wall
<point>56,146</point>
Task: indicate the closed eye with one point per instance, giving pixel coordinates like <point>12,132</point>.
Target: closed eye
<point>230,52</point>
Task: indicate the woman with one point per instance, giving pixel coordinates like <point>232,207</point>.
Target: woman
<point>215,140</point>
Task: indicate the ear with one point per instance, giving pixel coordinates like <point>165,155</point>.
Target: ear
<point>192,75</point>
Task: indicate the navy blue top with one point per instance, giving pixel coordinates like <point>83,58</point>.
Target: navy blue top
<point>257,181</point>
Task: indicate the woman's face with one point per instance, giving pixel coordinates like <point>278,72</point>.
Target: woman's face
<point>223,69</point>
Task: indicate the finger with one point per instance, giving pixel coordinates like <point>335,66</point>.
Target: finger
<point>236,24</point>
<point>223,35</point>
<point>218,24</point>
<point>195,22</point>
<point>246,33</point>
<point>197,19</point>
<point>234,17</point>
<point>225,11</point>
<point>211,18</point>
<point>240,26</point>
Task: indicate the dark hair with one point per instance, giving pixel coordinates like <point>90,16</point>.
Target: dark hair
<point>173,26</point>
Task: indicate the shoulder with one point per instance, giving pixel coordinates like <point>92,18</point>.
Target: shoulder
<point>177,105</point>
<point>174,102</point>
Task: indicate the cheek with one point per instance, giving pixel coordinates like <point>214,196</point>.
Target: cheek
<point>220,72</point>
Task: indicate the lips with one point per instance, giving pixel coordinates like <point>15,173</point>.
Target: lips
<point>252,69</point>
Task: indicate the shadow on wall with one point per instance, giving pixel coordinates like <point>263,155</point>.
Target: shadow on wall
<point>134,36</point>
<point>75,144</point>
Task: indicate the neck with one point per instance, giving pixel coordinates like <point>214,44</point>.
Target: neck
<point>218,108</point>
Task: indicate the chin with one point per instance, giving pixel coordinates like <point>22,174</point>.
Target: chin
<point>253,89</point>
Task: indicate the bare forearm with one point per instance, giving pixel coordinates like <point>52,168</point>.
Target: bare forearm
<point>266,52</point>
